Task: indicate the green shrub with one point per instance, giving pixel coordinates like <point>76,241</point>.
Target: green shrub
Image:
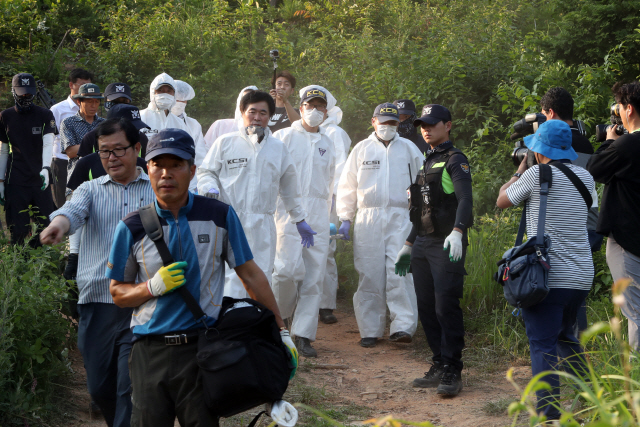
<point>34,336</point>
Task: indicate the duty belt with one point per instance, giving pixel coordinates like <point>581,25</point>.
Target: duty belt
<point>174,339</point>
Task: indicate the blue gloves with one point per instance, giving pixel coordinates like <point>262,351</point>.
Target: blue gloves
<point>344,229</point>
<point>332,229</point>
<point>306,233</point>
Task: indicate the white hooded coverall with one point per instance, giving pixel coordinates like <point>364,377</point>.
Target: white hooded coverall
<point>250,177</point>
<point>157,119</point>
<point>222,126</point>
<point>375,181</point>
<point>341,145</point>
<point>298,272</point>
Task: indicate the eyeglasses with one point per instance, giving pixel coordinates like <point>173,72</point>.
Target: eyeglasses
<point>308,106</point>
<point>118,152</point>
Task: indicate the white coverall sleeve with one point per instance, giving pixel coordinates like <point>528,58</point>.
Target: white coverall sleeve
<point>209,170</point>
<point>347,198</point>
<point>290,188</point>
<point>47,149</point>
<point>4,159</point>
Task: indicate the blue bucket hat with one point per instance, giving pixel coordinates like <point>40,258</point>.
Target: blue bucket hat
<point>552,140</point>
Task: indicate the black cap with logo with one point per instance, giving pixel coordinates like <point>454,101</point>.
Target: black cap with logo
<point>433,114</point>
<point>117,90</point>
<point>405,106</point>
<point>313,93</point>
<point>23,84</point>
<point>129,112</point>
<point>171,141</point>
<point>385,112</point>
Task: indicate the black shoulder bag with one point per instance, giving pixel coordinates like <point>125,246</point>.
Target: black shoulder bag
<point>523,270</point>
<point>242,359</point>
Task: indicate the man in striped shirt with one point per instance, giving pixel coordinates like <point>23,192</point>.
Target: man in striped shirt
<point>104,336</point>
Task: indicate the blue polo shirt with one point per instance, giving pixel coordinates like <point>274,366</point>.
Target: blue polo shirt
<point>206,234</point>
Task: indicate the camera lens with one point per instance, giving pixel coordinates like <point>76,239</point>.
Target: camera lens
<point>601,133</point>
<point>518,155</point>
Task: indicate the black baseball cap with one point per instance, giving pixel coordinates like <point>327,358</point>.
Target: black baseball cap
<point>23,83</point>
<point>117,90</point>
<point>405,106</point>
<point>129,112</point>
<point>433,114</point>
<point>385,112</point>
<point>171,141</point>
<point>313,93</point>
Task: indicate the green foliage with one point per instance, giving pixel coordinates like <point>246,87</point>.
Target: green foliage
<point>34,336</point>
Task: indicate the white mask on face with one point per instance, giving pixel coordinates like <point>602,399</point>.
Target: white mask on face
<point>178,108</point>
<point>164,101</point>
<point>313,117</point>
<point>386,132</point>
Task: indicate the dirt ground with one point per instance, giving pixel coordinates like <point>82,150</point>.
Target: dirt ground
<point>378,378</point>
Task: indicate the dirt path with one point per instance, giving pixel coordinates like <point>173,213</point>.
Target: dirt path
<point>378,378</point>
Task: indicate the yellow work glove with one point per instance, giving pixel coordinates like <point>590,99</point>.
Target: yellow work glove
<point>288,342</point>
<point>167,279</point>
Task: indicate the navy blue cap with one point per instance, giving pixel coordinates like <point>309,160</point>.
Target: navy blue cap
<point>385,112</point>
<point>23,83</point>
<point>433,114</point>
<point>313,93</point>
<point>405,106</point>
<point>129,112</point>
<point>117,90</point>
<point>171,141</point>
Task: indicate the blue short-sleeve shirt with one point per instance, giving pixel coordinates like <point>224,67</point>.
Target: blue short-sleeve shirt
<point>207,233</point>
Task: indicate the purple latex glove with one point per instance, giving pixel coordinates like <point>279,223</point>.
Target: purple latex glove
<point>306,233</point>
<point>344,229</point>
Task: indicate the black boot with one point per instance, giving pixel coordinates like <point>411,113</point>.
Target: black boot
<point>327,317</point>
<point>304,347</point>
<point>431,378</point>
<point>450,382</point>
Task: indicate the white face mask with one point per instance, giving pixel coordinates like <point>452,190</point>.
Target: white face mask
<point>313,117</point>
<point>386,132</point>
<point>178,108</point>
<point>164,101</point>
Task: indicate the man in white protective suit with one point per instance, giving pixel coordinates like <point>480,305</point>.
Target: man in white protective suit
<point>158,114</point>
<point>222,126</point>
<point>341,145</point>
<point>375,181</point>
<point>298,271</point>
<point>248,169</point>
<point>184,94</point>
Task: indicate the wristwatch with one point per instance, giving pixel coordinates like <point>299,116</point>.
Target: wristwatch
<point>517,174</point>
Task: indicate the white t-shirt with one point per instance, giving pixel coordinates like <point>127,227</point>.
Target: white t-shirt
<point>566,224</point>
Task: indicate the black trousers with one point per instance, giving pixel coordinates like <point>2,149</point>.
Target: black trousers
<point>18,199</point>
<point>59,181</point>
<point>165,385</point>
<point>438,283</point>
<point>104,339</point>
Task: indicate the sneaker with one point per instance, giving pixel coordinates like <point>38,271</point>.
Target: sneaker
<point>450,382</point>
<point>304,347</point>
<point>368,342</point>
<point>327,317</point>
<point>400,336</point>
<point>431,378</point>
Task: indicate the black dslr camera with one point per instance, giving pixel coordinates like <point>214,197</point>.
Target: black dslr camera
<point>526,126</point>
<point>616,121</point>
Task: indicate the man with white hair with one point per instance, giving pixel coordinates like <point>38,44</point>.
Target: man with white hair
<point>341,145</point>
<point>162,98</point>
<point>222,126</point>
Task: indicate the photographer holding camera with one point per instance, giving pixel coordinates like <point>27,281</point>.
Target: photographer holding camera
<point>616,164</point>
<point>550,323</point>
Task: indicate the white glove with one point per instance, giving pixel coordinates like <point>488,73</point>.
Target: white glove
<point>212,193</point>
<point>45,179</point>
<point>454,241</point>
<point>284,413</point>
<point>288,342</point>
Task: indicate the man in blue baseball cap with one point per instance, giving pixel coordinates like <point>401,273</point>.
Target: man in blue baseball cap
<point>202,234</point>
<point>549,324</point>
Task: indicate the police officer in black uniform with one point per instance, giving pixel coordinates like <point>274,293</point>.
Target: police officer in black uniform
<point>406,128</point>
<point>441,205</point>
<point>25,173</point>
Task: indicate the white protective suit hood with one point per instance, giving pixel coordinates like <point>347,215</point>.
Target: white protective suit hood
<point>160,79</point>
<point>334,113</point>
<point>184,92</point>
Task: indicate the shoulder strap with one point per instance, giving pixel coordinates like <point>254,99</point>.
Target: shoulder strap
<point>153,229</point>
<point>577,182</point>
<point>546,179</point>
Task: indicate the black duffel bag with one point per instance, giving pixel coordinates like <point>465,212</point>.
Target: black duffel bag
<point>242,359</point>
